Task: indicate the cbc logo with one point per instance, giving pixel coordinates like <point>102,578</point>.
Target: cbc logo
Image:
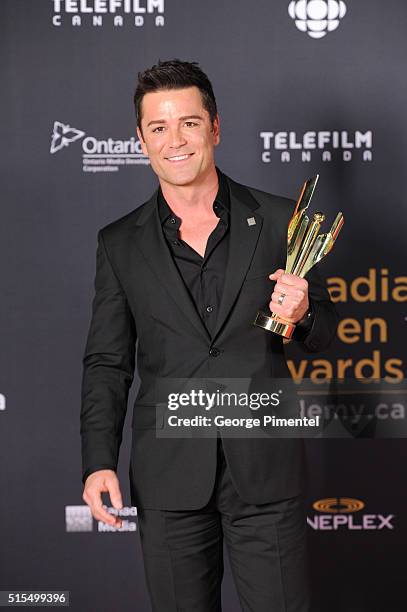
<point>338,504</point>
<point>317,17</point>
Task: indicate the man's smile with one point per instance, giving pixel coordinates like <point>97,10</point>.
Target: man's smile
<point>179,158</point>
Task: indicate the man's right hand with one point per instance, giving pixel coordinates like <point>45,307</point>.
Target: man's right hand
<point>103,481</point>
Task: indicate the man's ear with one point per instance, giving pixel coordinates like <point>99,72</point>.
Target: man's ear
<point>142,143</point>
<point>216,130</point>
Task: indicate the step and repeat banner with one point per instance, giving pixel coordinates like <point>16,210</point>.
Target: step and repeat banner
<point>302,88</point>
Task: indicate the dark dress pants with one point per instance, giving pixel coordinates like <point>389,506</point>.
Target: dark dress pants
<point>183,552</point>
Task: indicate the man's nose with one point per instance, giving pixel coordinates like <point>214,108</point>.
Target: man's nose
<point>176,138</point>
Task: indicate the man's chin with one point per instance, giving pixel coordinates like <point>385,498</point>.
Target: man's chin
<point>180,178</point>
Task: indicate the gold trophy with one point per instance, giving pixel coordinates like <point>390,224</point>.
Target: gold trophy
<point>305,248</point>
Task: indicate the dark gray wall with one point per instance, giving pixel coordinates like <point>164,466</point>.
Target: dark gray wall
<point>269,76</point>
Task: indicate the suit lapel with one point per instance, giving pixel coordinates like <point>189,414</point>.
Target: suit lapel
<point>245,228</point>
<point>151,243</point>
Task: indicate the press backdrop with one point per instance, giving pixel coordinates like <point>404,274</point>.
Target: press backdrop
<point>302,87</point>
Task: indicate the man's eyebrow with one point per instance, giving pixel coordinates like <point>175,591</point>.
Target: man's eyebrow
<point>180,119</point>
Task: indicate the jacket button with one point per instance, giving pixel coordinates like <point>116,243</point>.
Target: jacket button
<point>214,352</point>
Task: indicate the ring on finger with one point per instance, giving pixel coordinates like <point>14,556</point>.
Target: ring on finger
<point>281,298</point>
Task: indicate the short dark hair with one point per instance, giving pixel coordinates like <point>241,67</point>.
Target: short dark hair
<point>174,74</point>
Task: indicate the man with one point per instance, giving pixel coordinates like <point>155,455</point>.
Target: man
<point>184,275</point>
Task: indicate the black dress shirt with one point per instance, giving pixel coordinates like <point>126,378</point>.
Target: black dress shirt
<point>203,276</point>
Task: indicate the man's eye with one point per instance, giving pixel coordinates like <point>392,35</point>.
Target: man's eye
<point>190,123</point>
<point>158,129</point>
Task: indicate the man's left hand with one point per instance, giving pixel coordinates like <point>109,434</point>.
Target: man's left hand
<point>294,305</point>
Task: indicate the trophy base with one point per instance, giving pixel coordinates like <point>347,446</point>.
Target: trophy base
<point>274,324</point>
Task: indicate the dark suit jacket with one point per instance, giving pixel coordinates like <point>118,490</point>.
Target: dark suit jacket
<point>139,295</point>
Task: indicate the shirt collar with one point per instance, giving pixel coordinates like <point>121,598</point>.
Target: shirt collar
<point>221,204</point>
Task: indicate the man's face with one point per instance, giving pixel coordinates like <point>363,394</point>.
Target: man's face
<point>178,136</point>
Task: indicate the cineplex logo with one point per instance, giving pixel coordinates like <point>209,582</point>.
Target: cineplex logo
<point>97,13</point>
<point>317,17</point>
<point>324,145</point>
<point>98,155</point>
<point>335,513</point>
<point>80,519</point>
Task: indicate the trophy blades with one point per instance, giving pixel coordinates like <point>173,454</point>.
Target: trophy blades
<point>303,202</point>
<point>294,245</point>
<point>308,191</point>
<point>307,244</point>
<point>337,226</point>
<point>323,244</point>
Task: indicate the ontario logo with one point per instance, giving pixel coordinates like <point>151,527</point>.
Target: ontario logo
<point>97,13</point>
<point>324,145</point>
<point>108,155</point>
<point>317,17</point>
<point>333,513</point>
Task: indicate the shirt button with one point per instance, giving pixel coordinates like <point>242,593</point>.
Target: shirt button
<point>214,352</point>
<point>172,220</point>
<point>175,242</point>
<point>209,308</point>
